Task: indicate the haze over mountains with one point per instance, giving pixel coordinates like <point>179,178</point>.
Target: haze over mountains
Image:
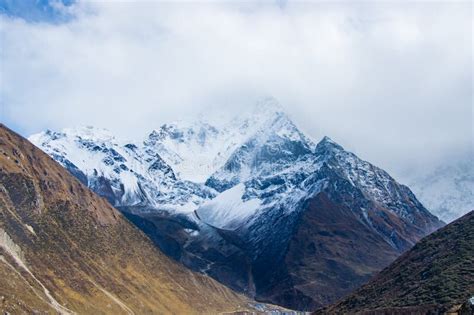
<point>250,201</point>
<point>448,190</point>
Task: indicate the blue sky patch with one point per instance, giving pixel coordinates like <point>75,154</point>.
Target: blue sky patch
<point>36,11</point>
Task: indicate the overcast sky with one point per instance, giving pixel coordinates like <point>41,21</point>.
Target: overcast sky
<point>391,82</point>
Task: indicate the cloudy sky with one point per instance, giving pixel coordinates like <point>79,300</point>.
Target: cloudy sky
<point>390,81</point>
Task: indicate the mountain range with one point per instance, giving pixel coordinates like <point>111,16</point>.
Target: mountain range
<point>252,202</point>
<point>65,250</point>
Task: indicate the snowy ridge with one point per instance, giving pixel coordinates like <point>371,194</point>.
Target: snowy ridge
<point>375,183</point>
<point>125,173</point>
<point>232,173</point>
<point>196,150</point>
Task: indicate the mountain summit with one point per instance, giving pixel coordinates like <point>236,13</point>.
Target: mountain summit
<point>254,203</point>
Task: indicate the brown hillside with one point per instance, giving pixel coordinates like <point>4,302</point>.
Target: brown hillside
<point>435,277</point>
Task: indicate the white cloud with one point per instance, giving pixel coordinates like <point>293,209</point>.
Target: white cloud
<point>392,82</point>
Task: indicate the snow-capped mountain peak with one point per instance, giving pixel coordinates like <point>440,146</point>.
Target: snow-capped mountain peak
<point>196,150</point>
<point>373,182</point>
<point>250,150</point>
<point>327,143</point>
<point>206,191</point>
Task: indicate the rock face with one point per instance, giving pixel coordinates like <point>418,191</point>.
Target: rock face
<point>353,221</point>
<point>254,203</point>
<point>65,250</point>
<point>434,277</point>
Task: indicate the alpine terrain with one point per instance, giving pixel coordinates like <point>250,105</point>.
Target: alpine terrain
<point>252,202</point>
<point>448,190</point>
<point>435,277</point>
<point>65,250</point>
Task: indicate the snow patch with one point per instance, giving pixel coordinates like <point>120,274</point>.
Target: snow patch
<point>228,209</point>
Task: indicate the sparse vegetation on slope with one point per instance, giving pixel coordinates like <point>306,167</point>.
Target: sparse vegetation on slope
<point>435,276</point>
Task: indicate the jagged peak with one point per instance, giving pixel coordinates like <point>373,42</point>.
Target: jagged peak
<point>327,143</point>
<point>48,134</point>
<point>154,133</point>
<point>266,114</point>
<point>327,139</point>
<point>83,132</point>
<point>160,133</point>
<point>179,129</point>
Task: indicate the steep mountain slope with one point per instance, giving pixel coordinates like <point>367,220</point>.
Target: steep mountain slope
<point>327,228</point>
<point>435,276</point>
<point>448,190</point>
<point>124,173</point>
<point>65,250</point>
<point>266,186</point>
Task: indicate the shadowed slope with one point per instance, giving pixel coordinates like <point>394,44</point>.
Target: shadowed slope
<point>436,275</point>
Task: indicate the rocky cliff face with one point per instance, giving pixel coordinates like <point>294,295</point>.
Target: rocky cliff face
<point>436,276</point>
<point>254,203</point>
<point>65,250</point>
